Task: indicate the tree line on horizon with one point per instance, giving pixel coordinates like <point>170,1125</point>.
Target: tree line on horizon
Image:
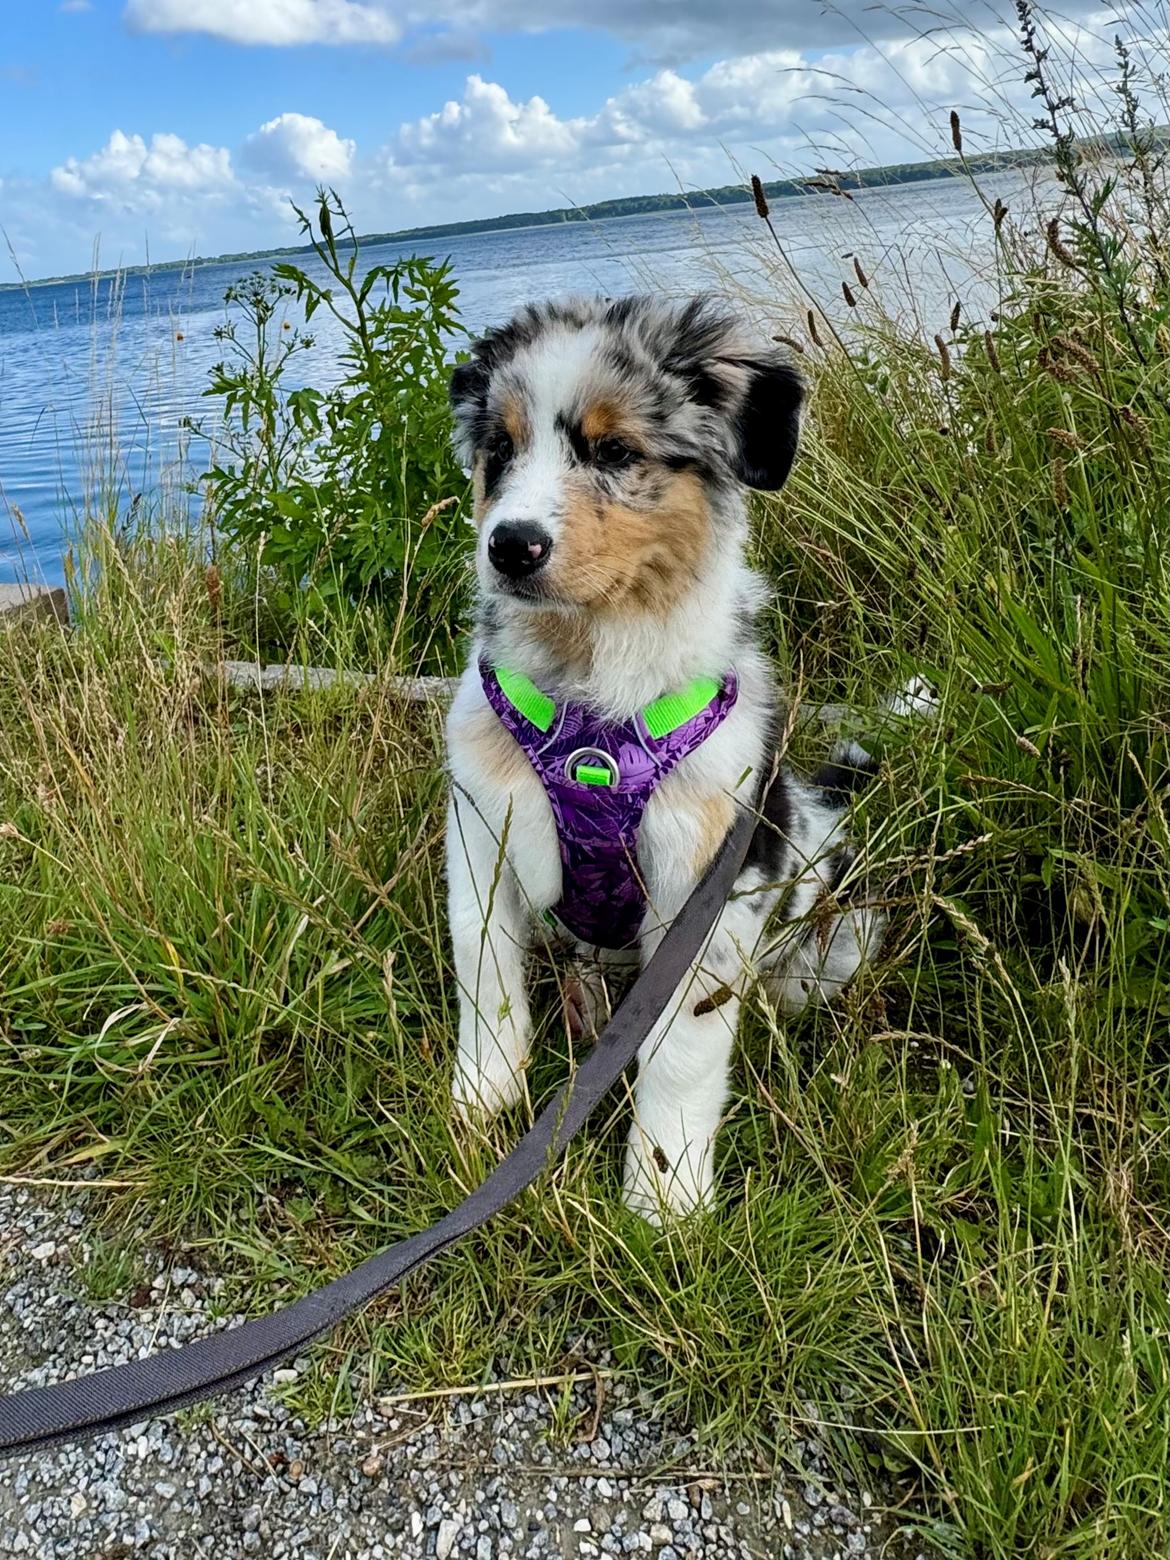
<point>823,181</point>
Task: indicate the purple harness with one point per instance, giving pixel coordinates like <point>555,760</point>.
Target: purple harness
<point>598,775</point>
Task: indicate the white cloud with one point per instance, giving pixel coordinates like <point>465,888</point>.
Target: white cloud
<point>294,148</point>
<point>278,22</point>
<point>776,111</point>
<point>130,170</point>
<point>487,129</point>
<point>739,104</point>
<point>670,32</point>
<point>666,104</point>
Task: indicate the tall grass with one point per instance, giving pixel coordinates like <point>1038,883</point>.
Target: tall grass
<point>941,1243</point>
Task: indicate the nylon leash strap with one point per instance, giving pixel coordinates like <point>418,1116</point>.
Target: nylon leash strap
<point>163,1382</point>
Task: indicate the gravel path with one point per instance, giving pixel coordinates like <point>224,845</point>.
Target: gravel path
<point>457,1476</point>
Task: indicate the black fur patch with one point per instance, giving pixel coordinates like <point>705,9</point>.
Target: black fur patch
<point>494,467</point>
<point>469,385</point>
<point>769,849</point>
<point>578,443</point>
<point>768,426</point>
<point>839,863</point>
<point>842,777</point>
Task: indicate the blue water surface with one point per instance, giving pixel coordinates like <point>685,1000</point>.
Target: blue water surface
<point>100,379</point>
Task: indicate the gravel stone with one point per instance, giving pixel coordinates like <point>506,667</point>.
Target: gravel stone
<point>245,1476</point>
<point>448,1533</point>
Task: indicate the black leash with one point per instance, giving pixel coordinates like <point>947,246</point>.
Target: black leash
<point>161,1383</point>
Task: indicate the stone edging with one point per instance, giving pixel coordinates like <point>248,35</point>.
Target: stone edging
<point>17,601</point>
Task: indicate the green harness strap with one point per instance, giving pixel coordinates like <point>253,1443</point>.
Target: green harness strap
<point>526,697</point>
<point>673,710</point>
<point>661,716</point>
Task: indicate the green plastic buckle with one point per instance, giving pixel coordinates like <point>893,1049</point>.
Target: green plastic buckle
<point>592,774</point>
<point>592,766</point>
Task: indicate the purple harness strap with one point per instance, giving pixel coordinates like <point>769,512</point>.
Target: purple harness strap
<point>603,899</point>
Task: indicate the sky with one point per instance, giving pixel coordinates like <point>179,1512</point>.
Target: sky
<point>159,129</point>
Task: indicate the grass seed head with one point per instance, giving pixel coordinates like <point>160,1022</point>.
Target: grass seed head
<point>1135,421</point>
<point>1066,437</point>
<point>1058,247</point>
<point>1079,354</point>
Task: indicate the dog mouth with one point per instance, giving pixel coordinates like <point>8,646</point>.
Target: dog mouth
<point>532,590</point>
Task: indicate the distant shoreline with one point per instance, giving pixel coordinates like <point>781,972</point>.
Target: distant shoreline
<point>830,183</point>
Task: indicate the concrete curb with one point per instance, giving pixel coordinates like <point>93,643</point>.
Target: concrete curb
<point>251,677</point>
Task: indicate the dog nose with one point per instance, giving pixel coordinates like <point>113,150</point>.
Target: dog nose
<point>518,547</point>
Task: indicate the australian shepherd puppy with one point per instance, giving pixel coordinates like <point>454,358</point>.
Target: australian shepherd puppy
<point>611,444</point>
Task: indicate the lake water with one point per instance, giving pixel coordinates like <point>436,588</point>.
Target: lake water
<point>99,378</point>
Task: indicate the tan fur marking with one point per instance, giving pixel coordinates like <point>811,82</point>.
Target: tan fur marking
<point>714,815</point>
<point>600,419</point>
<point>496,751</point>
<point>515,419</point>
<point>616,557</point>
<point>478,495</point>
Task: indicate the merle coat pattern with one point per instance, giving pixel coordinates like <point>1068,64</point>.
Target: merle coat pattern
<point>610,445</point>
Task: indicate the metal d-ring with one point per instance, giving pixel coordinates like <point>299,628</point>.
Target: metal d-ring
<point>595,759</point>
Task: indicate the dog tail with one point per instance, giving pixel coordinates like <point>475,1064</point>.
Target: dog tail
<point>850,768</point>
<point>829,927</point>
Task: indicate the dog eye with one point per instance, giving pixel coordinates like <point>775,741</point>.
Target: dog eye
<point>501,448</point>
<point>611,451</point>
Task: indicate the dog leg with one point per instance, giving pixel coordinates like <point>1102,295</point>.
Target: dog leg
<point>489,929</point>
<point>589,990</point>
<point>822,963</point>
<point>683,1070</point>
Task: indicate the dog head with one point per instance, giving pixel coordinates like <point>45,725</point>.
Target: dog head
<point>605,440</point>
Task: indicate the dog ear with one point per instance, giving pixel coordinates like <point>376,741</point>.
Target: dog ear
<point>757,395</point>
<point>468,388</point>
<point>766,425</point>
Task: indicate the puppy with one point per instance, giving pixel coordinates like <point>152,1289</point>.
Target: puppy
<point>617,706</point>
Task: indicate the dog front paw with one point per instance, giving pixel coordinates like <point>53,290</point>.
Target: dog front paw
<point>663,1186</point>
<point>486,1082</point>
